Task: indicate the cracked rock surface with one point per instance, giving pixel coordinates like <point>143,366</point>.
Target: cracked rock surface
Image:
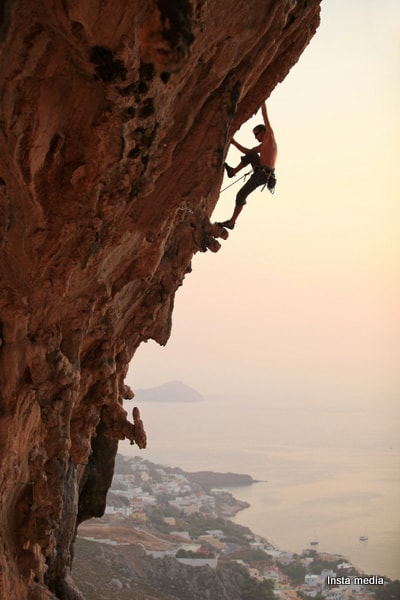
<point>116,118</point>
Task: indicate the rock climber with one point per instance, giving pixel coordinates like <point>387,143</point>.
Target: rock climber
<point>262,158</point>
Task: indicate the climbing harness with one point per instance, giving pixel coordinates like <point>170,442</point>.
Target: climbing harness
<point>271,183</point>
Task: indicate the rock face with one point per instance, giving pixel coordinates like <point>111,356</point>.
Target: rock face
<point>116,117</point>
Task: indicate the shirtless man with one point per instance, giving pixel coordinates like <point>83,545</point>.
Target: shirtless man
<point>262,158</point>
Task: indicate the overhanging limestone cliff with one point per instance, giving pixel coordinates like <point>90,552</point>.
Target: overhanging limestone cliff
<point>115,117</point>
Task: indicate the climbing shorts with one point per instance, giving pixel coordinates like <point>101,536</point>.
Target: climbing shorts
<point>260,177</point>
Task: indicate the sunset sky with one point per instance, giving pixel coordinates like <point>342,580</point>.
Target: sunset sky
<point>303,299</point>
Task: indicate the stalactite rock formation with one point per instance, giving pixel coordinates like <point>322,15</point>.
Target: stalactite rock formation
<point>116,118</point>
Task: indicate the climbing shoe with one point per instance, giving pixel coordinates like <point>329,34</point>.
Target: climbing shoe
<point>227,224</point>
<point>229,170</point>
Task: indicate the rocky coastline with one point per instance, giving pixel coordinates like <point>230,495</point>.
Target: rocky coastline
<point>162,527</point>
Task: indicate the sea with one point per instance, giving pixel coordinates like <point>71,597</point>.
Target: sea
<point>326,472</point>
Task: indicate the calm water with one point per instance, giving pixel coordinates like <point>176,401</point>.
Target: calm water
<point>327,472</point>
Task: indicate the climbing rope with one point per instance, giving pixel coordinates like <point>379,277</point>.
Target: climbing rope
<point>237,181</point>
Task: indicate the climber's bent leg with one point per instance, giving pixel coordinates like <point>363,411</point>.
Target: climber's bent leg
<point>251,158</point>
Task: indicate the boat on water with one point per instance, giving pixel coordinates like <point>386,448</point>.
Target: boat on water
<point>314,543</point>
<point>363,538</point>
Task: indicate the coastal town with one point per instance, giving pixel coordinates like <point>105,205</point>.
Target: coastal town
<point>182,520</point>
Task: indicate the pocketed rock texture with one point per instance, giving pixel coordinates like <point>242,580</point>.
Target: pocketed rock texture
<point>116,117</point>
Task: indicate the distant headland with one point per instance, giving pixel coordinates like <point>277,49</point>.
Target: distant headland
<point>211,479</point>
<point>171,391</point>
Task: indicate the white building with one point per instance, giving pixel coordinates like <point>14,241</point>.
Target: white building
<point>312,580</point>
<point>272,573</point>
<point>125,511</point>
<point>217,533</point>
<point>199,562</point>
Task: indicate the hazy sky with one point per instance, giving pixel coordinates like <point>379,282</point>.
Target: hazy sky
<point>303,299</point>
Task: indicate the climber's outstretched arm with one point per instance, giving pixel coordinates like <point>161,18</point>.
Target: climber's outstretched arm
<point>265,117</point>
<point>243,149</point>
